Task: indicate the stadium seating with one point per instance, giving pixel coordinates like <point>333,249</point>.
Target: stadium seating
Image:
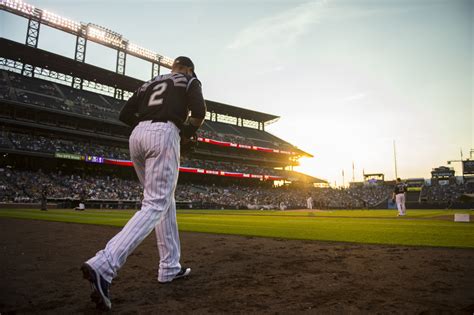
<point>44,93</point>
<point>42,100</point>
<point>53,144</point>
<point>4,92</point>
<point>26,186</point>
<point>443,193</point>
<point>23,83</point>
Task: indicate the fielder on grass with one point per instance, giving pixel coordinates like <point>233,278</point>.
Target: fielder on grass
<point>399,197</point>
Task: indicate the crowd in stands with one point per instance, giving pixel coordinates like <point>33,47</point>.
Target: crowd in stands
<point>469,186</point>
<point>4,88</point>
<point>271,198</point>
<point>40,143</point>
<point>60,97</point>
<point>26,186</point>
<point>230,167</point>
<point>224,137</point>
<point>44,101</point>
<point>443,193</point>
<point>51,144</point>
<point>56,96</point>
<point>23,83</point>
<point>234,138</point>
<point>4,93</point>
<point>90,105</point>
<point>371,194</point>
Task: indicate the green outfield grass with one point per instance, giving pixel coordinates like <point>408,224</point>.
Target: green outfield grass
<point>420,227</point>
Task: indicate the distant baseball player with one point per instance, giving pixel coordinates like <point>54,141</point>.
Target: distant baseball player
<point>399,197</point>
<point>82,200</point>
<point>44,198</point>
<point>309,202</point>
<point>159,112</point>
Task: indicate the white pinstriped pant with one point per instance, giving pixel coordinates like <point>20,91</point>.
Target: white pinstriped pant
<point>400,200</point>
<point>154,150</point>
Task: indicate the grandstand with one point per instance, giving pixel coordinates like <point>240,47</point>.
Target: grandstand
<point>59,131</point>
<point>40,109</point>
<point>59,115</point>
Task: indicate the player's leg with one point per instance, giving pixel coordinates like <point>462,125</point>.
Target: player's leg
<point>398,200</point>
<point>160,176</point>
<point>169,249</point>
<point>136,153</point>
<point>404,210</point>
<point>167,235</point>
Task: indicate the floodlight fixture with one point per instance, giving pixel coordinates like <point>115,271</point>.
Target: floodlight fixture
<point>105,35</point>
<point>60,21</point>
<point>134,48</point>
<point>93,32</point>
<point>19,6</point>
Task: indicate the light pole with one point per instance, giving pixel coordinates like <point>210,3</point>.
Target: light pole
<point>395,159</point>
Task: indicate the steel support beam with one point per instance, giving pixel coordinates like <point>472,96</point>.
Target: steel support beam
<point>120,69</point>
<point>32,38</point>
<point>80,55</point>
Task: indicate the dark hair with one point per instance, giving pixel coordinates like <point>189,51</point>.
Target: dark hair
<point>398,179</point>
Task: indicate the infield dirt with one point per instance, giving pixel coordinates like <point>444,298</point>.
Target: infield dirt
<point>231,274</point>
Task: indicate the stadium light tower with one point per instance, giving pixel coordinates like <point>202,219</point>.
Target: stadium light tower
<point>471,153</point>
<point>395,159</point>
<point>83,32</point>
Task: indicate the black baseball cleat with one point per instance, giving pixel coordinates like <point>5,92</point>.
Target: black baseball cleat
<point>100,287</point>
<point>184,272</point>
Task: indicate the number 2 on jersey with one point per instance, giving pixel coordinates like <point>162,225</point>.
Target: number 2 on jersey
<point>155,97</point>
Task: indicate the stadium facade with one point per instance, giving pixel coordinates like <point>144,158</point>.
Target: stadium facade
<point>60,114</point>
<point>61,141</point>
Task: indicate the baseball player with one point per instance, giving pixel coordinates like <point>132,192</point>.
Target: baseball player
<point>159,112</point>
<point>399,197</point>
<point>44,198</point>
<point>309,202</point>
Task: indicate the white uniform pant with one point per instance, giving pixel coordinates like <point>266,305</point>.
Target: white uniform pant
<point>400,200</point>
<point>154,150</point>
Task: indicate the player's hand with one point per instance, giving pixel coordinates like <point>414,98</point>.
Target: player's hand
<point>188,131</point>
<point>187,144</point>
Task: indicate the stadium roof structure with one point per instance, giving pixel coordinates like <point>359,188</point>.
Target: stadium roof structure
<point>50,61</point>
<point>235,111</point>
<point>54,62</point>
<point>30,54</point>
<point>31,61</point>
<point>86,31</point>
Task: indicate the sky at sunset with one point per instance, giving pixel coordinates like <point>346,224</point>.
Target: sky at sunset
<point>347,78</point>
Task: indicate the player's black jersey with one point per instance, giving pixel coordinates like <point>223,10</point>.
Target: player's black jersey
<point>400,188</point>
<point>166,97</point>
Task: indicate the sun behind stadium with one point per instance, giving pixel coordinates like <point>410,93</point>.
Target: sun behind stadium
<point>77,180</point>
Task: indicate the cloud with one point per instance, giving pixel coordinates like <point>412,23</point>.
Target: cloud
<point>284,27</point>
<point>354,97</point>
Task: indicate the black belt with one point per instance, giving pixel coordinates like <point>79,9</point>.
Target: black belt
<point>165,121</point>
<point>160,120</point>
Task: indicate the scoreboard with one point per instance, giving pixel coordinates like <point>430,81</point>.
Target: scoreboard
<point>468,167</point>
